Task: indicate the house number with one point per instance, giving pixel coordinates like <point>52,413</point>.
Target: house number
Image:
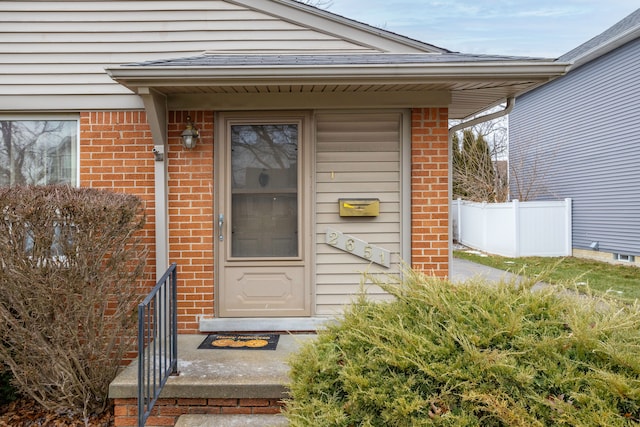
<point>358,247</point>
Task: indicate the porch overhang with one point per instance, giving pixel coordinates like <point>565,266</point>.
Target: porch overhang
<point>465,84</point>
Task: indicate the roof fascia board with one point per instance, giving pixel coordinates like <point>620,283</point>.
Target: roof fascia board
<point>605,48</point>
<point>338,26</point>
<point>370,74</point>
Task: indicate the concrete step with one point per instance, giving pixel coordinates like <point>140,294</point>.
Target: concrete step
<point>232,421</point>
<point>207,375</point>
<point>212,374</point>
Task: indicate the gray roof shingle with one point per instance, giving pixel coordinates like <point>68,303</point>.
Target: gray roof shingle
<point>220,60</point>
<point>627,24</point>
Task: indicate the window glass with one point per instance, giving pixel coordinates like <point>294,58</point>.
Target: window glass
<point>38,152</point>
<point>264,188</point>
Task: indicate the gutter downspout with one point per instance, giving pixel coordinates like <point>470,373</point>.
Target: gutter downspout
<point>511,102</point>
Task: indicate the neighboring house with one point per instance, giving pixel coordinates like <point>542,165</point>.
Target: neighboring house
<point>322,151</point>
<point>578,137</point>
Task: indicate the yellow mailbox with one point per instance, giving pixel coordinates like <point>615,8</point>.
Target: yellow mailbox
<point>359,207</point>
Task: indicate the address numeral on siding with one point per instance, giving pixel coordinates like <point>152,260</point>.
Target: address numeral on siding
<point>358,247</point>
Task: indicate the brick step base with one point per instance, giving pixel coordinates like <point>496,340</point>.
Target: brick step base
<point>232,421</point>
<point>166,412</point>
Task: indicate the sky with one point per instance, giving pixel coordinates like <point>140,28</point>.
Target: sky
<point>539,28</point>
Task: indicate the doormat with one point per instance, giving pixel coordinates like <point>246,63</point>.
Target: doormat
<point>240,342</point>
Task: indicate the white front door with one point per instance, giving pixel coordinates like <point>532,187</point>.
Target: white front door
<point>261,243</point>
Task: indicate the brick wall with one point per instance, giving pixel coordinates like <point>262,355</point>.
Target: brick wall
<point>430,191</point>
<point>191,217</point>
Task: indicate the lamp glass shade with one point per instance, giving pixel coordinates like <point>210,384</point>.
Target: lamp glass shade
<point>189,137</point>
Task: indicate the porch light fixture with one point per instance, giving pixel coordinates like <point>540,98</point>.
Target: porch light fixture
<point>189,135</point>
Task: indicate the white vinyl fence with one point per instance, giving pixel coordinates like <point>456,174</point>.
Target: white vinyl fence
<point>514,229</point>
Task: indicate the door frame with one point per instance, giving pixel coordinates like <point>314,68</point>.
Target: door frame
<point>306,194</point>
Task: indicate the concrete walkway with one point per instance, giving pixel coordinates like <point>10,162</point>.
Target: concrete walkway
<point>462,270</point>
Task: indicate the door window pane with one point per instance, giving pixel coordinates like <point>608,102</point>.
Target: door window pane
<point>38,152</point>
<point>264,190</point>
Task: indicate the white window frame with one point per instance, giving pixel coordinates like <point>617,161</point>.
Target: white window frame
<point>624,257</point>
<point>53,117</point>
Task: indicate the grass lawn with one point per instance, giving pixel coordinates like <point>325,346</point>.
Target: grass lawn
<point>619,281</point>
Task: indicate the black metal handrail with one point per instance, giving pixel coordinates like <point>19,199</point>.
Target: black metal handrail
<point>157,342</point>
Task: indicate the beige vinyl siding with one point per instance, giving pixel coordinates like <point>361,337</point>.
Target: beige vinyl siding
<point>53,54</point>
<point>358,155</point>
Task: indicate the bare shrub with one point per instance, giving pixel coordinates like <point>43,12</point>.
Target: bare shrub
<point>477,175</point>
<point>71,262</point>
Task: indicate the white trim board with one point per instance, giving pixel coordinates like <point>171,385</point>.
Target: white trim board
<point>261,324</point>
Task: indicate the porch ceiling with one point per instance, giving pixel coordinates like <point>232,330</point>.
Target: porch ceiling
<point>466,84</point>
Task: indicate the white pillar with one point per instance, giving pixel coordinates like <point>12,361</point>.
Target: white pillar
<point>155,105</point>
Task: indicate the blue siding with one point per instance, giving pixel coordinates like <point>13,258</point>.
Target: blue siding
<point>584,129</point>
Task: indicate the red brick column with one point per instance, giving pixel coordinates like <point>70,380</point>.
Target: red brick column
<point>430,191</point>
<point>191,217</point>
